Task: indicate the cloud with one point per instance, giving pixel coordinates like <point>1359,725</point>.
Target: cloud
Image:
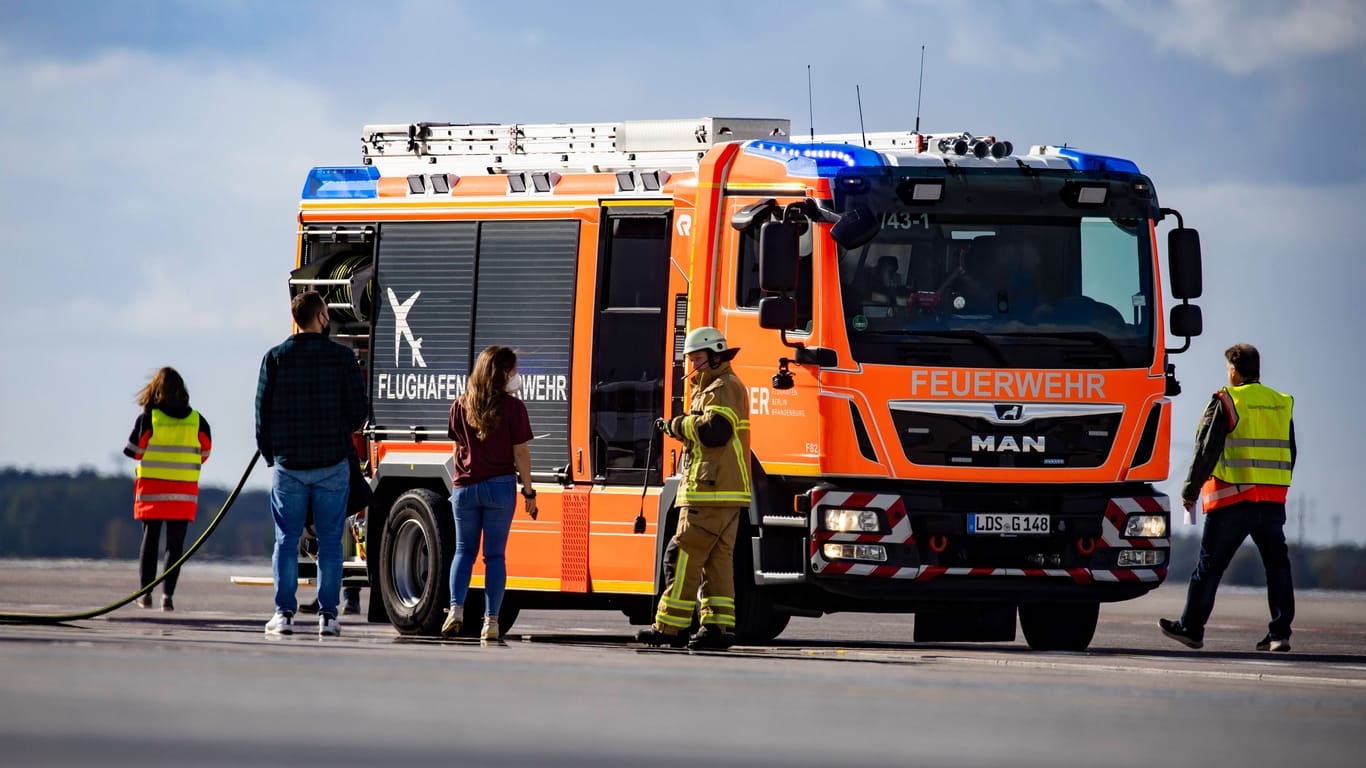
<point>149,219</point>
<point>1246,36</point>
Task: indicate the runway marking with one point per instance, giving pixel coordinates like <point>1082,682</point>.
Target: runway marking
<point>1262,677</point>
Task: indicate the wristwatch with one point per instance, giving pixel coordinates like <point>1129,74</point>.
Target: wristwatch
<point>529,493</point>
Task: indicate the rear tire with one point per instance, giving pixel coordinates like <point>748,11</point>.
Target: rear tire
<point>415,562</point>
<point>1059,626</point>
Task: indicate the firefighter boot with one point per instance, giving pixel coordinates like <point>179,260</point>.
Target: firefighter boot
<point>711,638</point>
<point>655,638</point>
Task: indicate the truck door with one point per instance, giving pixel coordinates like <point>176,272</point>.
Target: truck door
<point>632,351</point>
<point>631,342</point>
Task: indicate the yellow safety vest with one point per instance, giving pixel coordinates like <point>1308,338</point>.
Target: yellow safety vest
<point>1257,449</point>
<point>173,451</point>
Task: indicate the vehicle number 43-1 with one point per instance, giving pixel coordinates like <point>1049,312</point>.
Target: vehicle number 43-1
<point>1008,524</point>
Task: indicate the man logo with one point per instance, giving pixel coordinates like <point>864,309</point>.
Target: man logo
<point>1009,412</point>
<point>402,330</point>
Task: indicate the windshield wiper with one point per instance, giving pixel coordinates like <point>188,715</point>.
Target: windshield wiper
<point>1095,337</point>
<point>977,337</point>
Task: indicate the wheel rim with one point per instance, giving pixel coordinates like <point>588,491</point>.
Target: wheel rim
<point>408,569</point>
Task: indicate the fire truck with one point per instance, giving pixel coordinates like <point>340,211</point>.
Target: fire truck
<point>955,352</point>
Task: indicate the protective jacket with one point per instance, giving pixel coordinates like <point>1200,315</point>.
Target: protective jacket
<point>170,446</point>
<point>1246,447</point>
<point>715,433</point>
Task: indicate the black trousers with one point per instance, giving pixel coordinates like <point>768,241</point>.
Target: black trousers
<point>1225,530</point>
<point>175,548</point>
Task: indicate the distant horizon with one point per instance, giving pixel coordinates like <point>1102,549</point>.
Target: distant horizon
<point>158,151</point>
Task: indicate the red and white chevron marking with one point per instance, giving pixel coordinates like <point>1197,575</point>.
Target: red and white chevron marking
<point>1112,530</point>
<point>1117,512</point>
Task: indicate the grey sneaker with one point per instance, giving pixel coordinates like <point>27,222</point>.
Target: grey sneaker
<point>281,624</point>
<point>327,626</point>
<point>1277,644</point>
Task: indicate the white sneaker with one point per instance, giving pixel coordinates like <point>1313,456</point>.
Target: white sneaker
<point>327,626</point>
<point>490,632</point>
<point>281,624</point>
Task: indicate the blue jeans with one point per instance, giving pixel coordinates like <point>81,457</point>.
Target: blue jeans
<point>483,508</point>
<point>1225,530</point>
<point>292,493</point>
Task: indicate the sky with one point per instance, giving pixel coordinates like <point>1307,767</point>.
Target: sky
<point>153,154</point>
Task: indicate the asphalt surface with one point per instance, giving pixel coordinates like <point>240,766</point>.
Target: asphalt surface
<point>204,686</point>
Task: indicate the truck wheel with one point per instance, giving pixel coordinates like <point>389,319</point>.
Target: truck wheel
<point>1059,626</point>
<point>756,620</point>
<point>415,562</point>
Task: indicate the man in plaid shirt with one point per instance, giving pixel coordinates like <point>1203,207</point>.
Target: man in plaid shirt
<point>309,399</point>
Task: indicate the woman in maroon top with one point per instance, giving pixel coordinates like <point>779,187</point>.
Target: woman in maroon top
<point>491,430</point>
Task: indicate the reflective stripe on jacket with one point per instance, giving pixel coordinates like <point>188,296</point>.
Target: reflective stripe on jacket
<point>167,485</point>
<point>1256,461</point>
<point>715,475</point>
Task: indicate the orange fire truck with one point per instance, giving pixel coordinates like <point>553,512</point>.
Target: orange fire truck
<point>955,354</point>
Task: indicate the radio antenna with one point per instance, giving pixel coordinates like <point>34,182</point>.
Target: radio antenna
<point>862,132</point>
<point>810,110</point>
<point>920,90</point>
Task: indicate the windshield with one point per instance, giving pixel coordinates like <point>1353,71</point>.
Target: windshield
<point>956,289</point>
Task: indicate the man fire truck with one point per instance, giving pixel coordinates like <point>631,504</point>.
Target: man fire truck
<point>971,436</point>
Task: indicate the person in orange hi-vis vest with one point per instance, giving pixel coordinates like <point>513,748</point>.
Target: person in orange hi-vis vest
<point>170,441</point>
<point>1245,452</point>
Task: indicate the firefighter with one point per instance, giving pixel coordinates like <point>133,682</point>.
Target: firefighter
<point>1244,457</point>
<point>715,488</point>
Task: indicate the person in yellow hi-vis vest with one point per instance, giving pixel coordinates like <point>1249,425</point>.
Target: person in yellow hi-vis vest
<point>170,442</point>
<point>1245,451</point>
<point>715,488</point>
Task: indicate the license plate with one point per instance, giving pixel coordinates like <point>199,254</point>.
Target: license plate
<point>1009,525</point>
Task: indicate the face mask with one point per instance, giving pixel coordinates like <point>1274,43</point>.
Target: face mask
<point>514,384</point>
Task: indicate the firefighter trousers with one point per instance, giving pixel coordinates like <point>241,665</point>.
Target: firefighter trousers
<point>701,554</point>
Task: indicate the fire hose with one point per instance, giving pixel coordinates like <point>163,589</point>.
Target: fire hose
<point>43,618</point>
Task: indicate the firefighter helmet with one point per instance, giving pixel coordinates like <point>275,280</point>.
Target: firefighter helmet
<point>704,338</point>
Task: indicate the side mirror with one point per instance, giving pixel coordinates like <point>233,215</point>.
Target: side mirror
<point>778,313</point>
<point>1186,321</point>
<point>778,248</point>
<point>1183,263</point>
<point>747,217</point>
<point>855,228</point>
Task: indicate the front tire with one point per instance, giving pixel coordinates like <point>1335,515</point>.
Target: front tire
<point>1059,626</point>
<point>415,562</point>
<point>756,620</point>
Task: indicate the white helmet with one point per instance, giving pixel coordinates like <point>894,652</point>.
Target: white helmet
<point>704,338</point>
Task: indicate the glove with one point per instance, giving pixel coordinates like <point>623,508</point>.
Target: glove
<point>663,426</point>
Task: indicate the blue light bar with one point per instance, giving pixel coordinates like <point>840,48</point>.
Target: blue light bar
<point>338,182</point>
<point>828,159</point>
<point>1087,161</point>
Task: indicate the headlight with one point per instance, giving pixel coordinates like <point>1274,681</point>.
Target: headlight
<point>855,552</point>
<point>847,520</point>
<point>1146,526</point>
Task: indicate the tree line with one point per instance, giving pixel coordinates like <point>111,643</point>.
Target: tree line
<point>88,515</point>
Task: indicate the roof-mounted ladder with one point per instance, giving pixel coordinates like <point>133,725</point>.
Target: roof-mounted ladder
<point>471,149</point>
